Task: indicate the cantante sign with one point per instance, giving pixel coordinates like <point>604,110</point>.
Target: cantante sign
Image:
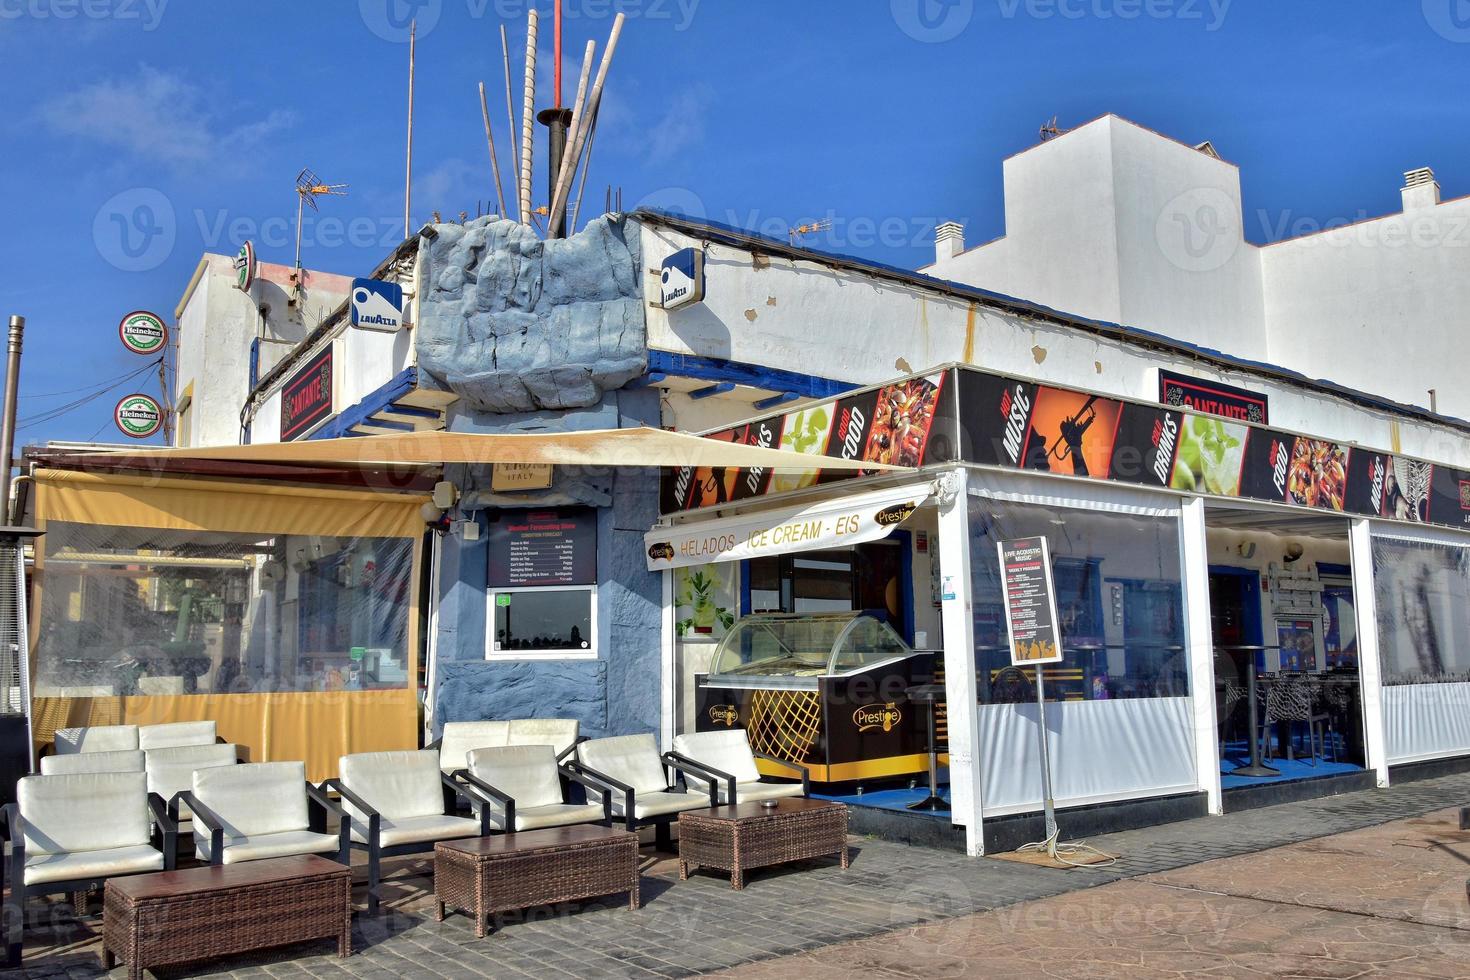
<point>830,524</point>
<point>1031,601</point>
<point>307,397</point>
<point>1213,398</point>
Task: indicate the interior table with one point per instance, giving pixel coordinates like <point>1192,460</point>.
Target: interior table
<point>757,835</point>
<point>172,917</point>
<point>1255,767</point>
<point>485,875</point>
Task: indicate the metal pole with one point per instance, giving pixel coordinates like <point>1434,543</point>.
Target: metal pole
<point>408,169</point>
<point>490,141</point>
<point>7,424</point>
<point>1047,805</point>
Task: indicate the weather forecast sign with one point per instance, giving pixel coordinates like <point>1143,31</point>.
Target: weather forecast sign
<point>143,332</point>
<point>138,416</point>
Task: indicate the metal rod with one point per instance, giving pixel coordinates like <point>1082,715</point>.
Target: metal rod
<point>1256,767</point>
<point>578,121</point>
<point>408,169</point>
<point>593,101</point>
<point>528,106</point>
<point>510,114</point>
<point>7,423</point>
<point>556,50</point>
<point>300,200</point>
<point>586,166</point>
<point>1048,806</point>
<point>490,142</point>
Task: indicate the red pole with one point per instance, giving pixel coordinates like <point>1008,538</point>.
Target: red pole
<point>556,50</point>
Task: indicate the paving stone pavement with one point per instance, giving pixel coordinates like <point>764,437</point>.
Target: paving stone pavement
<point>893,897</point>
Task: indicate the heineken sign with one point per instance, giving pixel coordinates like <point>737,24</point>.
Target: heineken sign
<point>138,416</point>
<point>143,332</point>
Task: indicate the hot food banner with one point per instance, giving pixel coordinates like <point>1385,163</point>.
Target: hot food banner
<point>964,415</point>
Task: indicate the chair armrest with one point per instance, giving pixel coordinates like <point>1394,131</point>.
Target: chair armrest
<point>489,792</point>
<point>607,783</point>
<point>564,753</point>
<point>168,829</point>
<point>15,828</point>
<point>800,770</point>
<point>204,817</point>
<point>435,744</point>
<point>711,775</point>
<point>477,802</point>
<point>316,798</point>
<point>605,791</point>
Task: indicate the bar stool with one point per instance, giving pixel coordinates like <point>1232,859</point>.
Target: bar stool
<point>930,694</point>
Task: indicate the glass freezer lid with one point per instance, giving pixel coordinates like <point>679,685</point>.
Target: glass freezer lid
<point>805,645</point>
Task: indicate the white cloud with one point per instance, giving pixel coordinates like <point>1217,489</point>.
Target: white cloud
<point>158,115</point>
<point>682,123</point>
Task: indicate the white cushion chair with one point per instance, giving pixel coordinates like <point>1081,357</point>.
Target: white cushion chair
<point>532,789</point>
<point>460,738</point>
<point>402,803</point>
<point>171,774</point>
<point>559,733</point>
<point>643,792</point>
<point>121,761</point>
<point>263,810</point>
<point>177,733</point>
<point>71,832</point>
<point>98,738</point>
<point>726,757</point>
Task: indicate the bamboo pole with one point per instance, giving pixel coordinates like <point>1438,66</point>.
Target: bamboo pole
<point>564,185</point>
<point>510,114</point>
<point>579,105</point>
<point>528,110</point>
<point>490,142</point>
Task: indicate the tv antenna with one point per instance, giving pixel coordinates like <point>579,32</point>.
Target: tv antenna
<point>810,228</point>
<point>309,187</point>
<point>1050,130</point>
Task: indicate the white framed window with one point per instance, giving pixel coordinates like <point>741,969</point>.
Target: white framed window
<point>556,622</point>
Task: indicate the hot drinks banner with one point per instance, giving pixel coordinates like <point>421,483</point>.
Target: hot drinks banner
<point>961,414</point>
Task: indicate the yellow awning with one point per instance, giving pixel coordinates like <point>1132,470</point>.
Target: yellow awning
<point>598,447</point>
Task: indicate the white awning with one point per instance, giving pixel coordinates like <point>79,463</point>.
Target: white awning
<point>834,523</point>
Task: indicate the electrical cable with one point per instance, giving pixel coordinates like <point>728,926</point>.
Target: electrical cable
<point>52,414</point>
<point>1061,852</point>
<point>91,387</point>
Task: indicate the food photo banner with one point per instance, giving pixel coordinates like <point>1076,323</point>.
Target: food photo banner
<point>965,415</point>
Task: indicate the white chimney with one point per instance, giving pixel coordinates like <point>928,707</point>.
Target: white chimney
<point>1420,189</point>
<point>949,240</point>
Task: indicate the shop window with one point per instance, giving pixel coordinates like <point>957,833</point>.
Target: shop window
<point>1120,605</point>
<point>143,611</point>
<point>1423,593</point>
<point>866,578</point>
<point>558,621</point>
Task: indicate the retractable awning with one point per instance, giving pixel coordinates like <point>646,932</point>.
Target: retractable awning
<point>839,522</point>
<point>643,446</point>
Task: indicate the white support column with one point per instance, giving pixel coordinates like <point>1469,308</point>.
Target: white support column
<point>959,661</point>
<point>669,683</point>
<point>1370,671</point>
<point>1199,642</point>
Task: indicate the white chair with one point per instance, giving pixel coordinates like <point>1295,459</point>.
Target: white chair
<point>559,733</point>
<point>643,792</point>
<point>123,760</point>
<point>263,810</point>
<point>71,832</point>
<point>402,803</point>
<point>98,738</point>
<point>460,738</point>
<point>177,733</point>
<point>726,756</point>
<point>171,773</point>
<point>532,789</point>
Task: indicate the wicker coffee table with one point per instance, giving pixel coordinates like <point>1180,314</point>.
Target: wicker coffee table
<point>749,835</point>
<point>172,917</point>
<point>485,875</point>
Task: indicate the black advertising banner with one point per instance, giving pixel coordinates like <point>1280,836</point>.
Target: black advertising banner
<point>536,548</point>
<point>1072,432</point>
<point>995,418</point>
<point>1449,497</point>
<point>1367,482</point>
<point>1317,476</point>
<point>1213,398</point>
<point>307,398</point>
<point>852,425</point>
<point>1407,495</point>
<point>903,419</point>
<point>1031,604</point>
<point>1147,441</point>
<point>1267,463</point>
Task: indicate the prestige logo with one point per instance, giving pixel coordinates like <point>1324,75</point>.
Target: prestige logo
<point>870,716</point>
<point>1278,472</point>
<point>662,551</point>
<point>897,514</point>
<point>1166,433</point>
<point>1016,407</point>
<point>724,714</point>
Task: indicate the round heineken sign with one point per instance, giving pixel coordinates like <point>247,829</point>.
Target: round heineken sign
<point>245,266</point>
<point>138,416</point>
<point>143,332</point>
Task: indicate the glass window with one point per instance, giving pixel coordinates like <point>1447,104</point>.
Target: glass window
<point>1120,606</point>
<point>557,620</point>
<point>1423,592</point>
<point>144,611</point>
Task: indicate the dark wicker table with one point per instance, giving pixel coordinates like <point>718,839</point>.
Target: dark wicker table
<point>172,917</point>
<point>485,875</point>
<point>749,835</point>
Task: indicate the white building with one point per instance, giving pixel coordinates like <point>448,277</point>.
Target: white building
<point>1114,222</point>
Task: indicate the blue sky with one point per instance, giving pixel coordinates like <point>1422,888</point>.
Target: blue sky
<point>189,120</point>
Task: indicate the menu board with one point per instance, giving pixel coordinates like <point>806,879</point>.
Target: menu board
<point>1031,605</point>
<point>537,548</point>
